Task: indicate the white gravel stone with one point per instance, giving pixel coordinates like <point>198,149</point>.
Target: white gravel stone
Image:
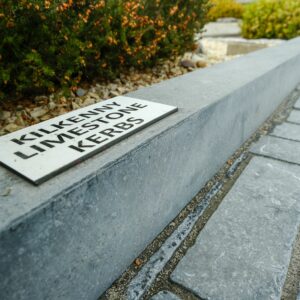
<point>38,112</point>
<point>4,115</point>
<point>11,127</point>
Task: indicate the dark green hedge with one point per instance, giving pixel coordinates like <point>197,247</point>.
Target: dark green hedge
<point>49,44</point>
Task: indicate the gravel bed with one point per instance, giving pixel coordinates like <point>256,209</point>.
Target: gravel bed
<point>17,114</point>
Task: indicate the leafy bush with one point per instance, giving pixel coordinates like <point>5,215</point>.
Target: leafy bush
<point>272,19</point>
<point>49,43</point>
<point>224,9</point>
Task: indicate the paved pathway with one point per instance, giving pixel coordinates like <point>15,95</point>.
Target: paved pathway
<point>245,248</point>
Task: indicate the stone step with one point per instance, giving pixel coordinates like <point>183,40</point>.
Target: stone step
<point>244,250</point>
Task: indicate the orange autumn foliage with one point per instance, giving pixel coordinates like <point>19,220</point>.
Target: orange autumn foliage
<point>51,43</point>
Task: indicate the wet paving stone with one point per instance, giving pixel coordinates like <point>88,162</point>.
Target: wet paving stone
<point>165,295</point>
<point>244,250</point>
<point>287,131</point>
<point>277,148</point>
<point>297,104</point>
<point>294,116</point>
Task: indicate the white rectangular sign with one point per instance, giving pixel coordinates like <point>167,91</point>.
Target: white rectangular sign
<point>40,151</point>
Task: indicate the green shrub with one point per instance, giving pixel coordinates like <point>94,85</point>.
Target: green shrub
<point>50,43</point>
<point>272,19</point>
<point>224,9</point>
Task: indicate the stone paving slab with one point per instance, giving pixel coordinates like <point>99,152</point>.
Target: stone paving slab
<point>287,131</point>
<point>212,46</point>
<point>294,116</point>
<point>278,148</point>
<point>244,250</point>
<point>165,295</point>
<point>219,29</point>
<point>297,104</point>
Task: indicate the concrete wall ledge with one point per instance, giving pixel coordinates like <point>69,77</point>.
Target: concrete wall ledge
<point>71,237</point>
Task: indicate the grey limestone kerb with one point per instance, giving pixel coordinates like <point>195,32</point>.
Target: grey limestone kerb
<point>110,207</point>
